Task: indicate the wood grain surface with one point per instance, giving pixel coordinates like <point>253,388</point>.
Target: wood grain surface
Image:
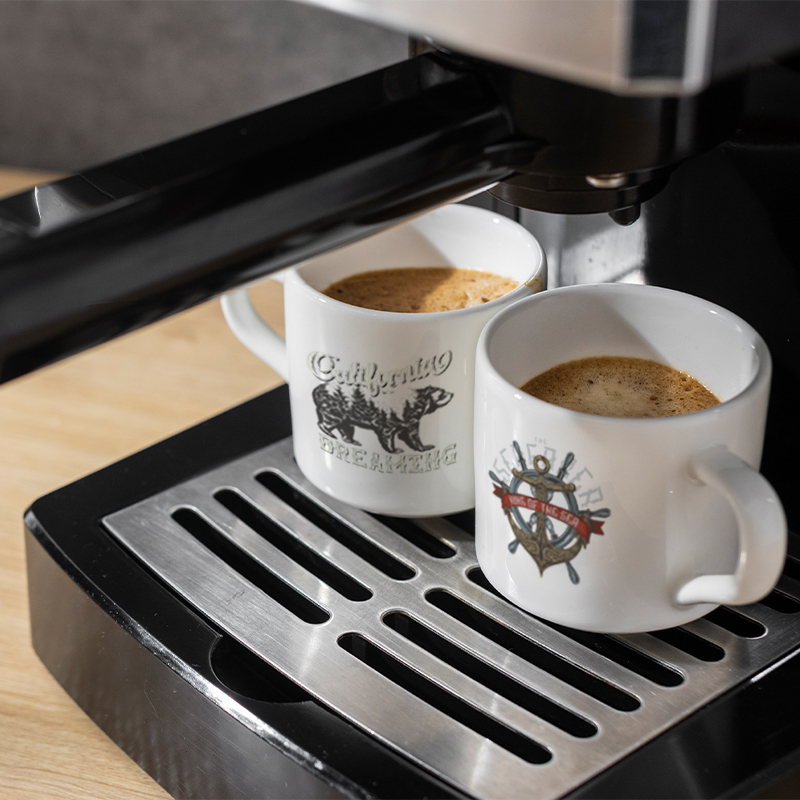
<point>57,425</point>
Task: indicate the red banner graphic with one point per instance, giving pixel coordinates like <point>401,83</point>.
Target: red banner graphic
<point>582,524</point>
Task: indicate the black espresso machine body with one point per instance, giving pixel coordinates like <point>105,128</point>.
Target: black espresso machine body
<point>676,170</point>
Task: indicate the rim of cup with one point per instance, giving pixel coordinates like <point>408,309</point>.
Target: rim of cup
<point>762,373</point>
<point>538,274</point>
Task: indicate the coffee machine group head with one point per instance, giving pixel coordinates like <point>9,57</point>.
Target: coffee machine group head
<point>616,92</point>
<point>594,151</point>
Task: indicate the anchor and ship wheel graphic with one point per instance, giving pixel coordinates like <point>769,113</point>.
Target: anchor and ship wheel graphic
<point>551,534</point>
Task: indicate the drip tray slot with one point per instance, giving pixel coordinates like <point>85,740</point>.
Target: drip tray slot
<point>391,624</point>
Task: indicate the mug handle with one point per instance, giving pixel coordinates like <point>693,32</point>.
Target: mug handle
<point>762,531</point>
<point>251,330</point>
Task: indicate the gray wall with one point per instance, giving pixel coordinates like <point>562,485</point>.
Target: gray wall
<point>82,81</point>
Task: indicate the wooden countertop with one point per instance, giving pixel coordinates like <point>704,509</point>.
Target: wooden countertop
<point>56,425</point>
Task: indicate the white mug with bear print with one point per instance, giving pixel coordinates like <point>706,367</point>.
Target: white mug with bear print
<point>382,402</point>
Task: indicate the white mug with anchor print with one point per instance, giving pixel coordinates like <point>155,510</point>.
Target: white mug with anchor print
<point>382,402</point>
<point>613,524</point>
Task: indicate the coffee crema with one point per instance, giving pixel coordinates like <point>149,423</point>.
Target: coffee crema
<point>619,386</point>
<point>420,289</point>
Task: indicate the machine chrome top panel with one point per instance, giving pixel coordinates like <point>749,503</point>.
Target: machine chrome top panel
<point>636,47</point>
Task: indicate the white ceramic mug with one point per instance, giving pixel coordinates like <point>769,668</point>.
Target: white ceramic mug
<point>624,525</point>
<point>381,402</point>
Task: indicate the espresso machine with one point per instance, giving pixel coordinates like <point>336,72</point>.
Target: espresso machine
<point>239,634</point>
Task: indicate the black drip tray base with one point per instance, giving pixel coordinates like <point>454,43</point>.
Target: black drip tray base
<point>217,693</point>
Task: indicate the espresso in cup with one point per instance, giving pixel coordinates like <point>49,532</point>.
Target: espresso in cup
<point>420,289</point>
<point>618,386</point>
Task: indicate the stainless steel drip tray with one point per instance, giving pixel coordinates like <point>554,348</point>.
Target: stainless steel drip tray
<point>391,624</point>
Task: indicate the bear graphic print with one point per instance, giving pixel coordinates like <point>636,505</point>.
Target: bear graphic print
<point>373,418</point>
<point>336,412</point>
